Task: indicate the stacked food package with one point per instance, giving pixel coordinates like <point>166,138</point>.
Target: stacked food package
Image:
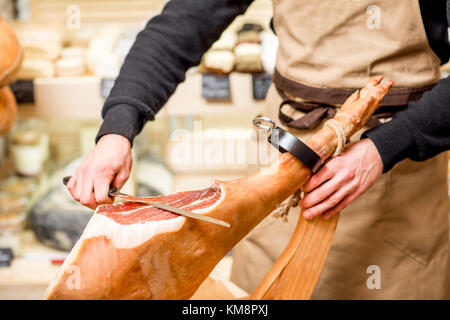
<point>248,50</point>
<point>220,58</point>
<point>240,51</point>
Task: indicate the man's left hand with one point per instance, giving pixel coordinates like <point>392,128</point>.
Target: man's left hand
<point>341,180</point>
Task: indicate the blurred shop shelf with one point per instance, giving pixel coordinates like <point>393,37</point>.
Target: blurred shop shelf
<point>80,98</point>
<point>31,272</point>
<point>66,98</point>
<point>187,99</point>
<point>97,10</point>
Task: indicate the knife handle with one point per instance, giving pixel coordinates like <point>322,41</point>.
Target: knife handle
<point>112,189</point>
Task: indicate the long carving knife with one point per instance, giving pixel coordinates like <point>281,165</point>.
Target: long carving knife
<point>115,193</point>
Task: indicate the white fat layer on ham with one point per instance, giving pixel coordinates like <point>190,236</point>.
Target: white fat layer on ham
<point>129,235</point>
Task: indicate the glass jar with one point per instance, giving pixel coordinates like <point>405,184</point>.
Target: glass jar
<point>21,187</point>
<point>12,211</point>
<point>12,220</point>
<point>29,147</point>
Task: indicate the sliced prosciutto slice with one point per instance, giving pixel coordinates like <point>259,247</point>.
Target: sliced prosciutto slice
<point>131,251</point>
<point>136,212</point>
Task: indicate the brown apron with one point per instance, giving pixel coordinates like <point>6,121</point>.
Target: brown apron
<point>400,226</point>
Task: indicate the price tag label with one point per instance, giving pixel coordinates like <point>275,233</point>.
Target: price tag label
<point>261,84</point>
<point>6,256</point>
<point>23,91</point>
<point>216,86</point>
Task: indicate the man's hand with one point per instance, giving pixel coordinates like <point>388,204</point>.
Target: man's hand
<point>341,180</point>
<point>109,163</point>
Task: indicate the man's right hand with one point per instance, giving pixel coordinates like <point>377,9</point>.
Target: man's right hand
<point>109,163</point>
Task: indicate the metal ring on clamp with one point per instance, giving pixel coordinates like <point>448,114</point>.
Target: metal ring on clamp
<point>264,123</point>
<point>287,142</point>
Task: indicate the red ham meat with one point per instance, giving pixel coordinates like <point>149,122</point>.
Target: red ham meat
<point>132,251</point>
<point>135,212</point>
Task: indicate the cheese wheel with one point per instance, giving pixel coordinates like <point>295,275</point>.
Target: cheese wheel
<point>8,109</point>
<point>73,52</point>
<point>70,67</point>
<point>40,44</point>
<point>248,57</point>
<point>36,68</point>
<point>10,54</point>
<point>227,41</point>
<point>220,61</point>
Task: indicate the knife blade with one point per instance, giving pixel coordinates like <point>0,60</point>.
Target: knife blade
<point>115,193</point>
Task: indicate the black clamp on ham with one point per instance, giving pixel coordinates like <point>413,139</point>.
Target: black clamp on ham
<point>287,142</point>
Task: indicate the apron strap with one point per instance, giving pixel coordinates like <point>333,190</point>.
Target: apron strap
<point>315,112</point>
<point>337,96</point>
<point>312,117</point>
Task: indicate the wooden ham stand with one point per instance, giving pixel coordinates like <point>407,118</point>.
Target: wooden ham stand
<point>295,274</point>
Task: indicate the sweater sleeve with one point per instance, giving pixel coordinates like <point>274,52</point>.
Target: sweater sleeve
<point>169,45</point>
<point>418,133</point>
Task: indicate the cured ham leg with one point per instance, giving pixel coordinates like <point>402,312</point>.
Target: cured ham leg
<point>132,251</point>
